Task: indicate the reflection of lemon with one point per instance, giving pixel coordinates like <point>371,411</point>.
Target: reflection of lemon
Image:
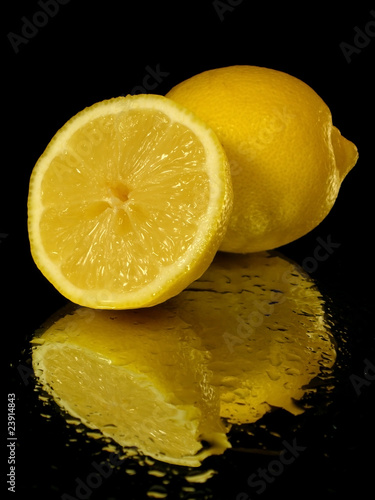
<point>262,321</point>
<point>138,376</point>
<point>249,335</point>
<point>287,159</point>
<point>129,203</point>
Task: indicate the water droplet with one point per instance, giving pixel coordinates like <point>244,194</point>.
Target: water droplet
<point>157,492</point>
<point>273,375</point>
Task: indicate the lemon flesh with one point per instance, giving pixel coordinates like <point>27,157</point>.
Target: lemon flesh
<point>128,203</point>
<point>246,337</point>
<point>287,159</point>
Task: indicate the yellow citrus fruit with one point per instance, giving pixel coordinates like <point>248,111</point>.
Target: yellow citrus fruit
<point>246,337</point>
<point>287,159</point>
<point>129,203</point>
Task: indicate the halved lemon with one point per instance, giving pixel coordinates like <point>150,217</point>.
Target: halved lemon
<point>129,203</point>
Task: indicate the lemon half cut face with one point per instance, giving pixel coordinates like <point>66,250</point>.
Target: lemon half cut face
<point>129,203</point>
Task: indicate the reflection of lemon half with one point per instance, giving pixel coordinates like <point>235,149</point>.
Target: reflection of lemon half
<point>247,336</point>
<point>138,376</point>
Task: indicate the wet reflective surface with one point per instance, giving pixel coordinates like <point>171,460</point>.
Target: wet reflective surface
<point>259,354</point>
<point>249,336</point>
<point>322,422</point>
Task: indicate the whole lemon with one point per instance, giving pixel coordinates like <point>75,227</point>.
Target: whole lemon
<point>287,159</point>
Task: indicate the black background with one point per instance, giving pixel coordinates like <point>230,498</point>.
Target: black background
<point>90,51</point>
